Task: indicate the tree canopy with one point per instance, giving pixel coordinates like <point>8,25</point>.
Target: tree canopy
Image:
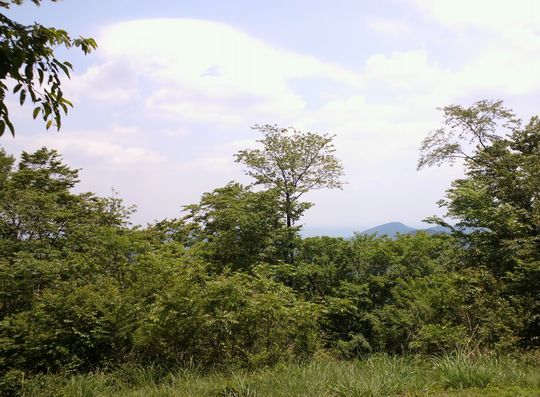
<point>466,129</point>
<point>293,162</point>
<point>236,227</point>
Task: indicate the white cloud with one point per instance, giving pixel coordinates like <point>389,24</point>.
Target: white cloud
<point>500,42</point>
<point>210,73</point>
<point>388,26</point>
<point>496,15</point>
<point>507,72</point>
<point>112,82</point>
<point>117,128</point>
<point>201,71</point>
<point>105,147</point>
<point>411,70</point>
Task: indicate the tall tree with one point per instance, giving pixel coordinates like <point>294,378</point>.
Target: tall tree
<point>499,198</point>
<point>293,162</point>
<point>27,58</point>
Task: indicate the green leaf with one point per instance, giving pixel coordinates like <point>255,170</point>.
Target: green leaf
<point>63,67</point>
<point>23,97</point>
<point>36,112</point>
<point>58,121</point>
<point>66,101</point>
<point>46,110</point>
<point>48,125</point>
<point>17,88</point>
<point>29,71</point>
<point>10,126</point>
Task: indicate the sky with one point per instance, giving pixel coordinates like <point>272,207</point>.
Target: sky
<point>169,96</point>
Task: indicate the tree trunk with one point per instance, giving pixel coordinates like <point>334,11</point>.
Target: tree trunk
<point>288,210</point>
<point>288,214</point>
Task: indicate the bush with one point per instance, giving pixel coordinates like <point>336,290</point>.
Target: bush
<point>237,320</point>
<point>69,327</point>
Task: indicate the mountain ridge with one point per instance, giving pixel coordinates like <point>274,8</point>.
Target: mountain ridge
<point>390,229</point>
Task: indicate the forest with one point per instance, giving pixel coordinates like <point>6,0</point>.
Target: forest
<point>230,284</point>
<point>227,297</point>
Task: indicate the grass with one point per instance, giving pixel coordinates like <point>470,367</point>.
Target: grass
<point>379,375</point>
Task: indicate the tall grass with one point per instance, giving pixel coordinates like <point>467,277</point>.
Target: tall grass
<point>460,372</point>
<point>382,376</point>
<point>379,375</point>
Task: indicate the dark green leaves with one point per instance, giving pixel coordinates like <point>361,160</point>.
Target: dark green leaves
<point>22,97</point>
<point>28,58</point>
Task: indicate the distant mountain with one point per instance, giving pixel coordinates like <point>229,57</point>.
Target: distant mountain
<point>436,230</point>
<point>393,228</point>
<point>390,229</point>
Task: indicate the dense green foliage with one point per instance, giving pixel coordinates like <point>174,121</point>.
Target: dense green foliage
<point>82,290</point>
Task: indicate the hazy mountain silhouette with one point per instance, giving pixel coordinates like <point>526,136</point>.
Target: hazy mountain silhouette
<point>390,229</point>
<point>393,228</point>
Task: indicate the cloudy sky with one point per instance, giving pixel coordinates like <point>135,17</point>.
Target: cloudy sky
<point>169,96</point>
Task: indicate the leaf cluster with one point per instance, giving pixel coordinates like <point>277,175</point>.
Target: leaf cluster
<point>30,69</point>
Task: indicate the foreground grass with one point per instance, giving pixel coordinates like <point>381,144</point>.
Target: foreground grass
<point>456,375</point>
